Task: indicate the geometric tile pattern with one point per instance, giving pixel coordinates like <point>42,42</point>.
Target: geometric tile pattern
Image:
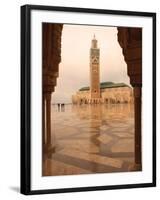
<point>91,139</point>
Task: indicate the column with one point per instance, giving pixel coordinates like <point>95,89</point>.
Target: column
<point>130,39</point>
<point>48,120</point>
<point>43,121</point>
<point>137,118</point>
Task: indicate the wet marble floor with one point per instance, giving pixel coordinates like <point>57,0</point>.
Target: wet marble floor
<point>90,139</point>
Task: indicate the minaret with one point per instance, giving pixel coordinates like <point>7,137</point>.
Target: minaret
<point>94,72</point>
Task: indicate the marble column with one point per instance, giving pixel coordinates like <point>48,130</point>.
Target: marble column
<point>137,118</point>
<point>43,121</point>
<point>48,120</point>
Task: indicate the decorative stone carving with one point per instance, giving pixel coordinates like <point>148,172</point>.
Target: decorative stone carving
<point>51,55</point>
<point>130,39</point>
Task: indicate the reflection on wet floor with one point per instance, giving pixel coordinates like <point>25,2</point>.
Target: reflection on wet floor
<point>91,139</point>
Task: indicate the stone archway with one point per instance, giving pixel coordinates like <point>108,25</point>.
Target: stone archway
<point>51,39</point>
<point>130,40</point>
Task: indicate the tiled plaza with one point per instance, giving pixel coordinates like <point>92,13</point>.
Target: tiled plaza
<point>91,139</point>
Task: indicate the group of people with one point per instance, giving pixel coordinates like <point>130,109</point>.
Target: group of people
<point>61,106</point>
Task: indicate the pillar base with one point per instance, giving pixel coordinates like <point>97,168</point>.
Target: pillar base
<point>135,167</point>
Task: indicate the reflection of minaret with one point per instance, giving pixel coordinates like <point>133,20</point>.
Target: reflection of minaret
<point>94,72</point>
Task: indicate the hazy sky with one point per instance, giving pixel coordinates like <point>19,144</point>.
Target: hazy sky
<point>74,66</point>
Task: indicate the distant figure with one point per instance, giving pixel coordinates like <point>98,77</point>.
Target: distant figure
<point>59,106</point>
<point>62,107</point>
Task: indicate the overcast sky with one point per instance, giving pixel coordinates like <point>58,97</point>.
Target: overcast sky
<point>74,66</point>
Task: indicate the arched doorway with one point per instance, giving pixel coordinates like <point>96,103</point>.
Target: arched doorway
<point>130,40</point>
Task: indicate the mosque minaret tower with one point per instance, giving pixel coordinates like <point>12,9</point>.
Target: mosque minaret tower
<point>94,72</point>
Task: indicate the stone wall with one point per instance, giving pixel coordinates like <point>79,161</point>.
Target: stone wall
<point>108,96</point>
